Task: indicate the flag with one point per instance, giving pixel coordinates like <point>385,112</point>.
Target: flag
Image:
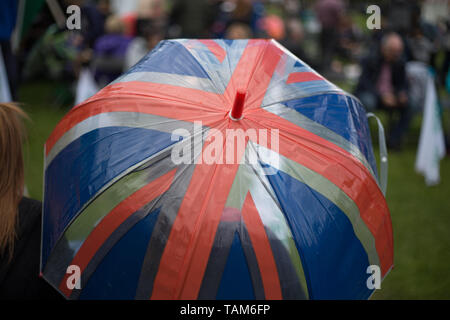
<point>431,142</point>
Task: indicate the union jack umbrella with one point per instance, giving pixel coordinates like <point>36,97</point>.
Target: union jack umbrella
<point>126,211</point>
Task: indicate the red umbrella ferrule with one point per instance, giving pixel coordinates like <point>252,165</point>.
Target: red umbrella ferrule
<point>238,106</point>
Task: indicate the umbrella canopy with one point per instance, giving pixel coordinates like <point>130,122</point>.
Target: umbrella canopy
<point>214,169</point>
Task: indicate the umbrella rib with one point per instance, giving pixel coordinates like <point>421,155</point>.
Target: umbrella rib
<point>351,148</point>
<point>310,149</point>
<point>167,98</point>
<point>368,180</point>
<point>306,96</point>
<point>256,65</point>
<point>137,167</point>
<point>213,82</point>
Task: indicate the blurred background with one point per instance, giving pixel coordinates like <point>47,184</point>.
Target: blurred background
<point>50,68</point>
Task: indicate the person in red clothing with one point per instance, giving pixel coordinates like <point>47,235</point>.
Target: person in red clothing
<point>20,217</point>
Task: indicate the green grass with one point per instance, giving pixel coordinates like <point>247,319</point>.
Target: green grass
<point>38,101</point>
<point>420,214</point>
<point>421,221</point>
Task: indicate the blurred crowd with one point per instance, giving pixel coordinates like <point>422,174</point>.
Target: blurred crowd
<point>330,35</point>
<point>387,68</point>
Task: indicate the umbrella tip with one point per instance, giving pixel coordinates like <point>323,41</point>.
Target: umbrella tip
<point>238,106</point>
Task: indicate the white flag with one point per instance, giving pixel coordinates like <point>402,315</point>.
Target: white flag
<point>5,94</point>
<point>86,86</point>
<point>431,143</point>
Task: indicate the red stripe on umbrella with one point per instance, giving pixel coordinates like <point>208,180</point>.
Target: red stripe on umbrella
<point>302,77</point>
<point>263,251</point>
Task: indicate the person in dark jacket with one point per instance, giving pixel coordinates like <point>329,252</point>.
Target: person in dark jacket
<point>20,218</point>
<point>383,85</point>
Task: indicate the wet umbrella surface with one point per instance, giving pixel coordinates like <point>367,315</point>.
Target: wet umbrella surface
<point>215,169</point>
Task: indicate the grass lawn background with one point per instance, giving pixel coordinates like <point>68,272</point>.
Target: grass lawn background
<point>420,214</point>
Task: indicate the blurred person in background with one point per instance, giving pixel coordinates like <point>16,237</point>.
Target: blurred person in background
<point>435,25</point>
<point>93,17</point>
<point>20,217</point>
<point>238,31</point>
<point>383,85</point>
<point>420,48</point>
<point>295,35</point>
<point>151,13</point>
<point>422,39</point>
<point>109,51</point>
<point>329,14</point>
<point>349,39</point>
<point>191,18</point>
<point>248,12</point>
<point>152,9</point>
<point>273,27</point>
<point>400,15</point>
<point>149,35</point>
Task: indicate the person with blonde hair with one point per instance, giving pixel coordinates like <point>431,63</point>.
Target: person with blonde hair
<point>109,51</point>
<point>20,217</point>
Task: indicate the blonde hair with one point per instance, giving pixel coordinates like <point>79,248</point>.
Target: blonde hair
<point>12,134</point>
<point>114,25</point>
